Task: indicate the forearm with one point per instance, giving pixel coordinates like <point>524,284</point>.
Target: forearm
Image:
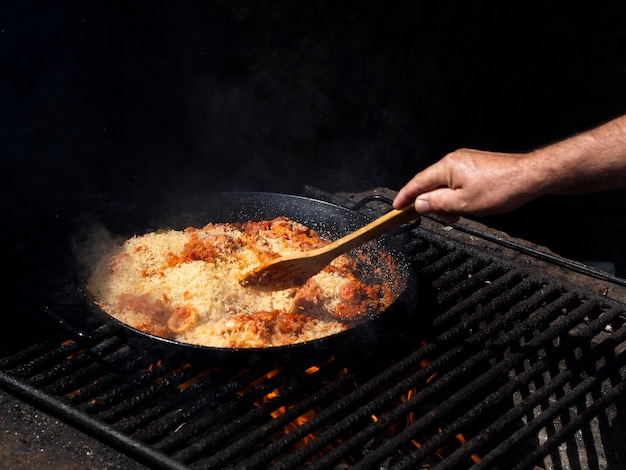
<point>478,182</point>
<point>594,160</point>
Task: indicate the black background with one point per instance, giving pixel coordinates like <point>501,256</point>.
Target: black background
<point>101,101</point>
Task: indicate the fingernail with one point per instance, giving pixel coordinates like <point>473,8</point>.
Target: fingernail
<point>422,206</point>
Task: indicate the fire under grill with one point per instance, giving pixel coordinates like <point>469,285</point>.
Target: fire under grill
<point>516,359</point>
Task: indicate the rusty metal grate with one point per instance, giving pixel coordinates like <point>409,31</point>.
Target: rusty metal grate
<point>504,367</point>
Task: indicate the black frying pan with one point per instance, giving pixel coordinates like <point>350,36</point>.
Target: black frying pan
<point>330,220</point>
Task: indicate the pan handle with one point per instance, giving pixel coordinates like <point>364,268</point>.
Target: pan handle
<point>72,317</point>
<point>382,199</point>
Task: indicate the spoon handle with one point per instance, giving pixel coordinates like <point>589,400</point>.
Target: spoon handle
<point>374,229</point>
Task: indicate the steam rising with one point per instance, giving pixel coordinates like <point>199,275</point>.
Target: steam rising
<point>93,245</point>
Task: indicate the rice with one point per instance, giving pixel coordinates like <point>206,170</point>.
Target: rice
<point>184,285</point>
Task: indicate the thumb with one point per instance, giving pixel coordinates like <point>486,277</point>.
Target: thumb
<point>422,206</point>
<point>438,201</point>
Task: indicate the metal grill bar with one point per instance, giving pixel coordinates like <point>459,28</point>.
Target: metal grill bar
<point>260,434</point>
<point>582,419</point>
<point>92,425</point>
<point>555,409</point>
<point>459,399</point>
<point>208,398</point>
<point>361,415</point>
<point>556,383</point>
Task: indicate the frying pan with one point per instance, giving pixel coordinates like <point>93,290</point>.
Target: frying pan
<point>329,220</point>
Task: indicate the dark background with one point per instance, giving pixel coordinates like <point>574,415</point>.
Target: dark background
<point>102,101</point>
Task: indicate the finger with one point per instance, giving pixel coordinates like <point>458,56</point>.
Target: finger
<point>435,176</point>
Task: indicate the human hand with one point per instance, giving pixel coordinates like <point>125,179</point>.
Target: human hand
<point>471,182</point>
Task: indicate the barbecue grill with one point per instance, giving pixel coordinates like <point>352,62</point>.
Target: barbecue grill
<point>515,358</point>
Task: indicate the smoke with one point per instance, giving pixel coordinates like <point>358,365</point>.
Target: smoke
<point>90,246</point>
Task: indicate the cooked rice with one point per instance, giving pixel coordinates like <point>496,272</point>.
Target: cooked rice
<point>184,285</point>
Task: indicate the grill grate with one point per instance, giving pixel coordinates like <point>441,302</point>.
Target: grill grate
<point>504,367</point>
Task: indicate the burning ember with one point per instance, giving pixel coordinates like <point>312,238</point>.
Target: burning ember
<point>306,426</point>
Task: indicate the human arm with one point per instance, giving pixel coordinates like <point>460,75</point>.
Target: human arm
<point>476,182</point>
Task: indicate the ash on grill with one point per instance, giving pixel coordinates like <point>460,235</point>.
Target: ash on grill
<point>515,358</point>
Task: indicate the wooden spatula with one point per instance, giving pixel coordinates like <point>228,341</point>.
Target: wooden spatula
<point>296,269</point>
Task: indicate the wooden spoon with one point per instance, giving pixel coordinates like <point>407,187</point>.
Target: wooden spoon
<point>296,269</point>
